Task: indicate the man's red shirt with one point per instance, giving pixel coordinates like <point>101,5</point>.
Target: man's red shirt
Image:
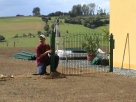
<point>40,49</point>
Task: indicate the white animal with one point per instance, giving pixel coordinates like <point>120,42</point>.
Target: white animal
<point>68,53</point>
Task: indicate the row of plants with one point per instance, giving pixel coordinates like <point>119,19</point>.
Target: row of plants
<point>92,22</point>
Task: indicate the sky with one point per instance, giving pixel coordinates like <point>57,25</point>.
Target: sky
<point>25,7</point>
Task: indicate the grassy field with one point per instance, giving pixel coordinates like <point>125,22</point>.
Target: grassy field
<point>12,26</point>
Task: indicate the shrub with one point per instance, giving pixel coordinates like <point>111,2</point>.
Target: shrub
<point>73,21</point>
<point>91,22</point>
<point>49,18</point>
<point>92,26</point>
<point>39,32</point>
<point>91,43</point>
<point>2,38</point>
<point>46,27</point>
<point>106,21</point>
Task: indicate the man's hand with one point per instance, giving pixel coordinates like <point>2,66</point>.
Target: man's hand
<point>45,53</point>
<point>49,51</point>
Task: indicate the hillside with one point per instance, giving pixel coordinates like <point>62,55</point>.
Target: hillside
<point>10,27</point>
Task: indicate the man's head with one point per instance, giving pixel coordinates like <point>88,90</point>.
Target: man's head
<point>42,39</point>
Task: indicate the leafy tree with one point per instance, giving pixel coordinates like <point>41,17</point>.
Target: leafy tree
<point>36,11</point>
<point>76,10</point>
<point>101,12</point>
<point>79,9</point>
<point>72,14</point>
<point>91,8</point>
<point>85,9</point>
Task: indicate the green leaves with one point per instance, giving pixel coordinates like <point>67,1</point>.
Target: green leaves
<point>91,43</point>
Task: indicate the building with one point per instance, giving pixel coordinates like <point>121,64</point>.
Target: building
<point>123,27</point>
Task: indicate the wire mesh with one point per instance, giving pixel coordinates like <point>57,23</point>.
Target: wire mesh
<point>75,61</point>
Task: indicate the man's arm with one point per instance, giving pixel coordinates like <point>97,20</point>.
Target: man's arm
<point>45,53</point>
<point>39,55</point>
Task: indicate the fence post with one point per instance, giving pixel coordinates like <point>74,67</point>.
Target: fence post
<point>52,44</point>
<point>111,52</point>
<point>14,43</point>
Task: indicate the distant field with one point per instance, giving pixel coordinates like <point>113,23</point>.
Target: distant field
<point>20,24</point>
<point>11,26</point>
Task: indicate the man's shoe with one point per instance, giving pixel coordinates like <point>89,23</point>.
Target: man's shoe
<point>47,73</point>
<point>58,72</point>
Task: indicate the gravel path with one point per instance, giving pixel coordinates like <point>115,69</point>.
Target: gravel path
<point>85,65</point>
<point>124,72</point>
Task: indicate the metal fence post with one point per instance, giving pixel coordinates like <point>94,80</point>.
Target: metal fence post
<point>111,52</point>
<point>52,43</point>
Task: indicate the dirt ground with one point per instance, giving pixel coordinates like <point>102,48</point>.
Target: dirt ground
<point>93,87</point>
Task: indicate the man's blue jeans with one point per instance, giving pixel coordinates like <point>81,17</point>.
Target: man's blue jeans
<point>42,66</point>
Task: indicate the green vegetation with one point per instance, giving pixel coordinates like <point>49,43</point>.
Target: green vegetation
<point>19,26</point>
<point>19,19</point>
<point>90,22</point>
<point>91,44</point>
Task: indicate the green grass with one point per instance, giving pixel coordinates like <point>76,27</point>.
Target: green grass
<point>19,19</point>
<point>78,29</point>
<point>9,27</point>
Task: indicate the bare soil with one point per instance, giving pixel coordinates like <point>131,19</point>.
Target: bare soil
<point>93,87</point>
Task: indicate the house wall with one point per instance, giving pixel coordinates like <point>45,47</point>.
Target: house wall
<point>123,21</point>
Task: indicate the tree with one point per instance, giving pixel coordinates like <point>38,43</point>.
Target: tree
<point>36,11</point>
<point>76,10</point>
<point>91,8</point>
<point>85,9</point>
<point>72,14</point>
<point>79,9</point>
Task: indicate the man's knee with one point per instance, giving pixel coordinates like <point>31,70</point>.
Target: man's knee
<point>41,68</point>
